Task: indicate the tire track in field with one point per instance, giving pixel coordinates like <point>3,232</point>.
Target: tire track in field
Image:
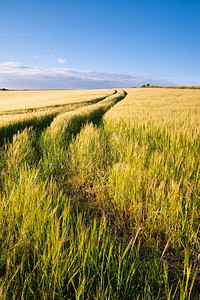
<point>41,109</point>
<point>39,123</point>
<point>70,123</point>
<point>57,137</point>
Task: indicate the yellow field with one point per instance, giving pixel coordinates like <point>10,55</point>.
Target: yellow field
<point>166,108</point>
<point>21,109</point>
<point>23,100</point>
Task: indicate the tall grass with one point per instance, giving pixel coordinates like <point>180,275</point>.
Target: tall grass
<point>57,137</point>
<point>105,211</point>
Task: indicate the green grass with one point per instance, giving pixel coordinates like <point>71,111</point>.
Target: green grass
<point>100,207</point>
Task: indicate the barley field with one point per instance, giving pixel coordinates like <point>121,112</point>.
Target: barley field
<point>100,194</point>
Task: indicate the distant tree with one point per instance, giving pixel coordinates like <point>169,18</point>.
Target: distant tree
<point>3,89</point>
<point>148,85</point>
<point>143,86</point>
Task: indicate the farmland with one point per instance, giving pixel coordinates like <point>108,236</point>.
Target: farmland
<point>100,194</point>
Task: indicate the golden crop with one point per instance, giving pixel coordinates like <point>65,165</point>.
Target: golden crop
<point>25,100</point>
<point>174,109</point>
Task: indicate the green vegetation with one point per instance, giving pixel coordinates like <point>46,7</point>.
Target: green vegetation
<point>102,202</point>
<point>177,87</point>
<point>185,87</point>
<point>147,85</point>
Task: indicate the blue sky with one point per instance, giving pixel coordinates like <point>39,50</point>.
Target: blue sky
<point>97,44</point>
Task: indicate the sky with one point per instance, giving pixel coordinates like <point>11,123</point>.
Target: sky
<point>58,44</point>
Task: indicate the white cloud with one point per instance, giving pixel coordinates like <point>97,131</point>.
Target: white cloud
<point>16,76</point>
<point>61,60</point>
<point>10,65</point>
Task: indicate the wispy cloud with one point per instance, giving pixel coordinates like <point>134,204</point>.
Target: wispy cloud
<point>16,76</point>
<point>12,65</point>
<point>61,60</point>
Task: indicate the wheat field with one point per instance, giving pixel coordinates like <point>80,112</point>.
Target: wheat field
<point>100,194</point>
<point>27,100</point>
<point>21,109</point>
